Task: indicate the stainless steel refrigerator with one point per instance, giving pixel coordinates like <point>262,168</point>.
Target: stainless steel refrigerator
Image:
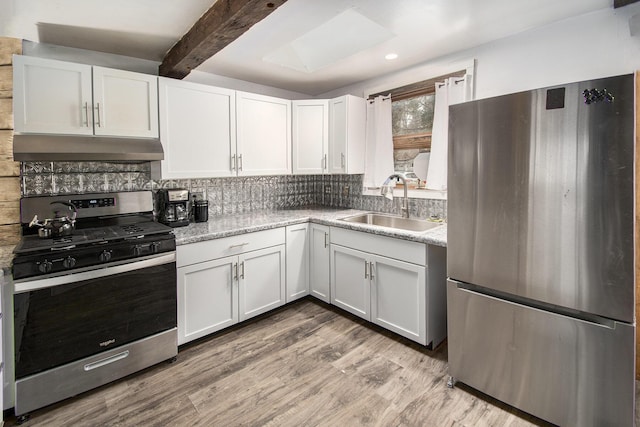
<point>540,255</point>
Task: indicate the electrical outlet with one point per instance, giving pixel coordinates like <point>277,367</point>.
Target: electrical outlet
<point>327,189</point>
<point>345,191</point>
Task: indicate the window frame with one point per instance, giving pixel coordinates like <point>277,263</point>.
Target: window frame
<point>414,90</point>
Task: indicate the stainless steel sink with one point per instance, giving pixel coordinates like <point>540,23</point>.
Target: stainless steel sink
<point>391,221</point>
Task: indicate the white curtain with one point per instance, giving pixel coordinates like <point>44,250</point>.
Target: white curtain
<point>452,91</point>
<point>379,142</point>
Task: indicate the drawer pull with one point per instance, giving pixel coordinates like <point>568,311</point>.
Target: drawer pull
<point>239,245</point>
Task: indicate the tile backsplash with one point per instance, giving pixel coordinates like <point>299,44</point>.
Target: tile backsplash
<point>225,195</point>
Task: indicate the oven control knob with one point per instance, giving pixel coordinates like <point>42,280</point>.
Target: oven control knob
<point>45,267</point>
<point>155,246</point>
<point>105,256</point>
<point>69,262</point>
<point>137,250</point>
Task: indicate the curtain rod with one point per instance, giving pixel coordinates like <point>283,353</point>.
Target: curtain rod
<point>455,81</point>
<point>384,98</point>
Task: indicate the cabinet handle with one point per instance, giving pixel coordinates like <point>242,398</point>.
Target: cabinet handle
<point>233,162</point>
<point>324,162</point>
<point>98,123</point>
<point>235,271</point>
<point>342,159</point>
<point>86,114</point>
<point>240,162</point>
<point>239,245</point>
<point>325,239</point>
<point>371,270</point>
<point>366,268</point>
<point>242,274</point>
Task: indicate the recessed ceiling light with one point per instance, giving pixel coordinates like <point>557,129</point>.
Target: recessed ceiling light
<point>390,56</point>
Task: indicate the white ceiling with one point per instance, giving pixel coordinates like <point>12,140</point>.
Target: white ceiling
<point>416,30</point>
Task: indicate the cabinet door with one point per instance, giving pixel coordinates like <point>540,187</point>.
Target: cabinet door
<point>310,136</point>
<point>51,96</point>
<point>197,129</point>
<point>350,287</point>
<point>261,278</point>
<point>347,126</point>
<point>319,282</point>
<point>398,297</point>
<point>125,103</point>
<point>338,135</point>
<point>207,298</point>
<point>297,261</point>
<point>263,135</point>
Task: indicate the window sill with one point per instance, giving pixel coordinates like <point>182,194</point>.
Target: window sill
<point>412,193</point>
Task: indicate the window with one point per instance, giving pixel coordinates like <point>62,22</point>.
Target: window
<point>412,119</point>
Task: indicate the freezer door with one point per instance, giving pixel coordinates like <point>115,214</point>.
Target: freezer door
<point>540,201</point>
<point>564,370</point>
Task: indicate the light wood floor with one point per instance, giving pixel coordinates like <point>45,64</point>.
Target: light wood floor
<point>307,364</point>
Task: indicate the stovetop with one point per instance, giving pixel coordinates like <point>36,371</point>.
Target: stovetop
<point>110,228</point>
<point>88,236</point>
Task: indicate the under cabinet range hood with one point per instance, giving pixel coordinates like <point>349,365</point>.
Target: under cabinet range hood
<point>41,147</point>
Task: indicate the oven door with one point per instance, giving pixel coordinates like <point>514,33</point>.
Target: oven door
<point>65,318</point>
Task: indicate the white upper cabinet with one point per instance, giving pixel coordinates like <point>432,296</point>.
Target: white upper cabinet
<point>125,103</point>
<point>197,129</point>
<point>59,97</point>
<point>310,129</point>
<point>347,123</point>
<point>52,96</point>
<point>263,135</point>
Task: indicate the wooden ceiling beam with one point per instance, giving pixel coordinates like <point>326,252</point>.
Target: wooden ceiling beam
<point>620,3</point>
<point>224,22</point>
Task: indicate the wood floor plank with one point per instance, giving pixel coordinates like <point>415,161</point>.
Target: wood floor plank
<point>307,364</point>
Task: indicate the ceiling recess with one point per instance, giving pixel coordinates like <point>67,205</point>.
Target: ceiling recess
<point>340,37</point>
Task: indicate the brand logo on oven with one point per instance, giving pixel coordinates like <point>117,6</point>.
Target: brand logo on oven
<point>108,342</point>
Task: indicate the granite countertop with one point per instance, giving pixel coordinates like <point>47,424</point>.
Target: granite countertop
<point>231,225</point>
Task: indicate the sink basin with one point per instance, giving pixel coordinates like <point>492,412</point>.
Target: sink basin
<point>391,221</point>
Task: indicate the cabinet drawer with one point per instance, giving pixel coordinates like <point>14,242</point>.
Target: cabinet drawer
<point>399,249</point>
<point>193,253</point>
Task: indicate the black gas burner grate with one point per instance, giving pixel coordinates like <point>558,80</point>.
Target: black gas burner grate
<point>132,229</point>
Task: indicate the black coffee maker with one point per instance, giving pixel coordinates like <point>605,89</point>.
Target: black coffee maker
<point>174,207</point>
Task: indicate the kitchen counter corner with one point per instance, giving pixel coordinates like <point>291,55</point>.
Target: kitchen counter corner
<point>231,225</point>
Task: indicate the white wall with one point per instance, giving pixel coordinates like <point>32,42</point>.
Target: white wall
<point>588,46</point>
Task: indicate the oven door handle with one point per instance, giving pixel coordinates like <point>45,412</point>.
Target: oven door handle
<point>93,273</point>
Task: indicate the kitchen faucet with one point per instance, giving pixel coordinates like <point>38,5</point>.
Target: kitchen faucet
<point>387,191</point>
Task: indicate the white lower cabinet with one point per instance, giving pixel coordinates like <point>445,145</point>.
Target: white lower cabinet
<point>368,282</point>
<point>207,298</point>
<point>319,281</point>
<point>261,281</point>
<point>350,284</point>
<point>381,279</point>
<point>297,261</point>
<point>225,281</point>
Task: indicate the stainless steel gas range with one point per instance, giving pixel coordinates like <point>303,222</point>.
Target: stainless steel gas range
<point>95,305</point>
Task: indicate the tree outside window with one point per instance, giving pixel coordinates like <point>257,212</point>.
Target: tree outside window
<point>412,122</point>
